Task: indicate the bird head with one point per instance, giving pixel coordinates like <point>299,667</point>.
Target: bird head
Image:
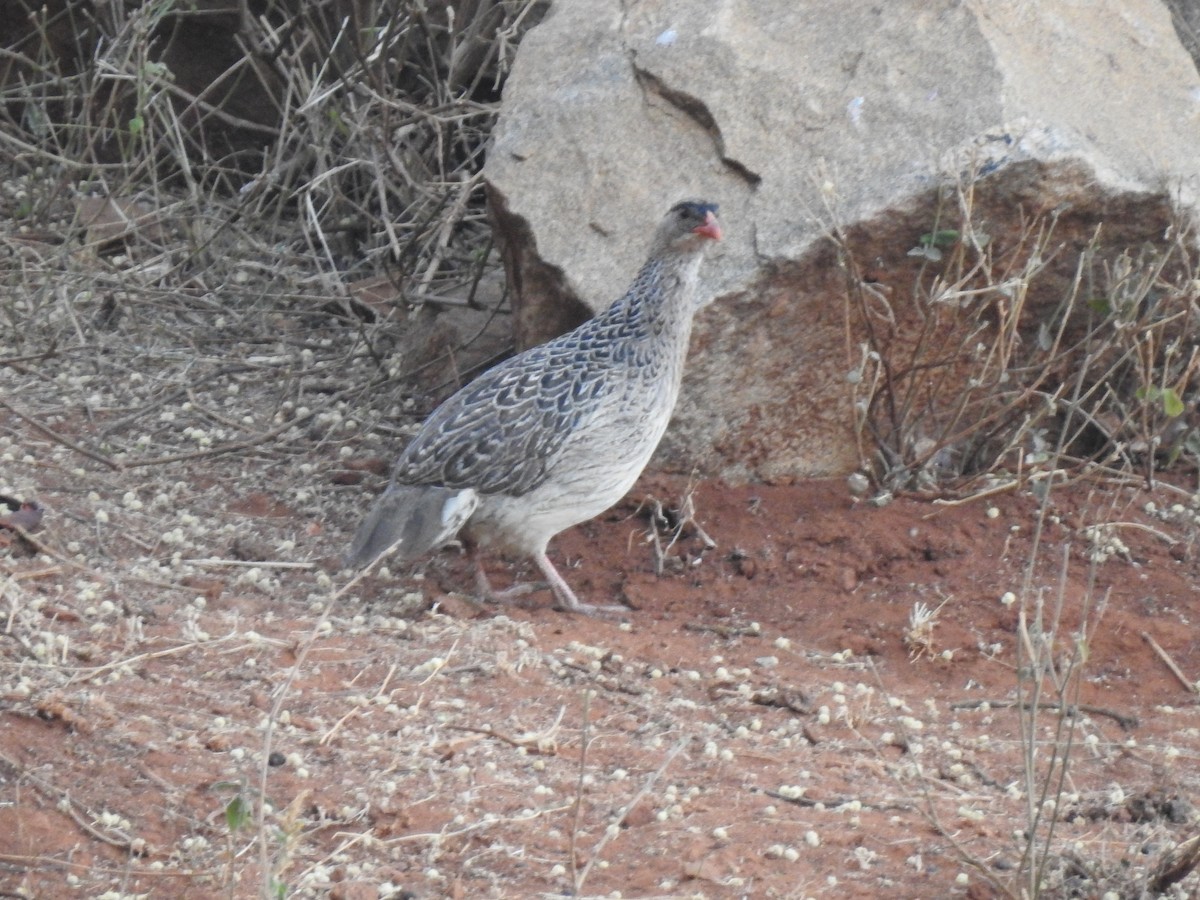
<point>689,225</point>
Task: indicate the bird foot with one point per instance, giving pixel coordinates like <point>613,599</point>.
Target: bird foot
<point>508,595</point>
<point>596,610</point>
<point>564,598</point>
<point>518,591</point>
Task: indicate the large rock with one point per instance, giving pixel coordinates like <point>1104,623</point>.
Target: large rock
<point>804,119</point>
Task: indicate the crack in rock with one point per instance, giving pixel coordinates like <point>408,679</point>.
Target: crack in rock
<point>696,110</point>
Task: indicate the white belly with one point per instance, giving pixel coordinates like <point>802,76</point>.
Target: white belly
<point>596,469</point>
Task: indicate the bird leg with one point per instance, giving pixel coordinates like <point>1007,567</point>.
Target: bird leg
<point>566,597</point>
<point>484,588</point>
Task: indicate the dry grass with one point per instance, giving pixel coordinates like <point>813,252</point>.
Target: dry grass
<point>992,362</point>
<point>128,227</point>
<point>997,374</point>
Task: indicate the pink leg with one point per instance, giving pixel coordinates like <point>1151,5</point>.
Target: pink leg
<point>485,590</point>
<point>565,596</point>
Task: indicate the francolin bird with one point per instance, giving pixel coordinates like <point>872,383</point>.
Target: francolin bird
<point>554,435</point>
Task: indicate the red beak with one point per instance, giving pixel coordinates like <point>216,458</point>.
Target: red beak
<point>711,227</point>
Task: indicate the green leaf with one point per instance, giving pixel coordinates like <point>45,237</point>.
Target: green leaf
<point>137,125</point>
<point>1100,306</point>
<point>943,238</point>
<point>1172,404</point>
<point>237,813</point>
<point>336,120</point>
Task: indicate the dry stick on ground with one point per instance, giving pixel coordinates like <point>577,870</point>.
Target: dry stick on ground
<point>42,547</point>
<point>614,828</point>
<point>356,710</point>
<point>995,489</point>
<point>247,563</point>
<point>927,809</point>
<point>578,805</point>
<point>833,802</point>
<point>260,438</point>
<point>91,867</point>
<point>119,465</point>
<point>1170,663</point>
<point>82,816</point>
<point>281,694</point>
<point>1175,865</point>
<point>89,674</point>
<point>224,448</point>
<point>538,743</point>
<point>685,515</point>
<point>528,815</point>
<point>725,631</point>
<point>1125,721</point>
<point>30,576</point>
<point>59,439</point>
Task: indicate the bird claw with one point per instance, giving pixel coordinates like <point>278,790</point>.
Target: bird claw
<point>563,604</point>
<point>508,595</point>
<point>596,610</point>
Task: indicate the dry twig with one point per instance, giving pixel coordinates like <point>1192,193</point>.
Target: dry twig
<point>1170,663</point>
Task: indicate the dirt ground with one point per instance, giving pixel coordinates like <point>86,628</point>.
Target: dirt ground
<point>773,717</point>
<point>829,697</point>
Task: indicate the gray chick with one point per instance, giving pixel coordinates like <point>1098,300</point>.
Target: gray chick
<point>554,435</point>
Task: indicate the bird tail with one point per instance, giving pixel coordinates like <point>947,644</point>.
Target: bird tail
<point>411,520</point>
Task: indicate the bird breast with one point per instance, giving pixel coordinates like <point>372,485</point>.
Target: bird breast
<point>600,459</point>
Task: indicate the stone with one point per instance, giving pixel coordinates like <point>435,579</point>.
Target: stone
<point>834,136</point>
